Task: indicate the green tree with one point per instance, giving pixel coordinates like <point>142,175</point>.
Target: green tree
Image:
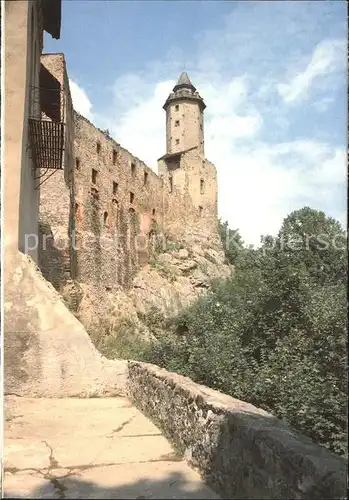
<point>275,333</point>
<point>231,241</point>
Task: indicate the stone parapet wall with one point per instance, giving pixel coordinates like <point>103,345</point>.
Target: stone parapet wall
<point>240,450</point>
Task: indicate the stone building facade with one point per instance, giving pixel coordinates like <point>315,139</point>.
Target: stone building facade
<point>115,211</point>
<point>56,221</point>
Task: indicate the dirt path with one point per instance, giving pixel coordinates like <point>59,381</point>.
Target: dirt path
<point>90,448</point>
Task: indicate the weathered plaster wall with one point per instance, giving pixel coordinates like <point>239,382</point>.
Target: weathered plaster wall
<point>184,126</point>
<point>23,35</point>
<point>241,451</point>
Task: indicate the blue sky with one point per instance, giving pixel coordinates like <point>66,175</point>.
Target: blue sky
<point>273,76</point>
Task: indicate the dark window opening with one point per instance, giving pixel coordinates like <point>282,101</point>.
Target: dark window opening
<point>94,176</point>
<point>132,220</point>
<point>171,184</point>
<point>77,163</point>
<point>133,169</point>
<point>115,187</point>
<point>200,211</point>
<point>177,107</point>
<point>94,193</point>
<point>115,156</point>
<point>50,92</point>
<point>145,178</point>
<point>116,212</point>
<point>105,219</point>
<point>202,186</point>
<point>98,147</point>
<point>153,211</point>
<point>177,123</point>
<point>76,208</point>
<point>132,197</point>
<point>177,141</point>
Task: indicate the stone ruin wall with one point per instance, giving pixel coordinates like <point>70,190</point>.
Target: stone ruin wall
<point>103,215</point>
<point>118,207</point>
<point>56,222</point>
<point>190,204</point>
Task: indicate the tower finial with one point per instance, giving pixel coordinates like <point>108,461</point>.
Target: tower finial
<point>183,81</point>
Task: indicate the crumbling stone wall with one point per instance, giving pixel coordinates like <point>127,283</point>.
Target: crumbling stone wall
<point>118,204</point>
<point>190,195</point>
<point>240,450</point>
<point>102,218</point>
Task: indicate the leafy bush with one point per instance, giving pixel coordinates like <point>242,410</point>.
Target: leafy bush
<point>274,334</point>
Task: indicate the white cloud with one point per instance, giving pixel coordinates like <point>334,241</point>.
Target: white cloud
<point>81,102</point>
<point>259,186</point>
<point>327,57</point>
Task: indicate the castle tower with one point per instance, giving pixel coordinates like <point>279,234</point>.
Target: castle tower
<point>184,117</point>
<point>189,179</point>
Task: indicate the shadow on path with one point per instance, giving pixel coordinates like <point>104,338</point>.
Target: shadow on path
<point>173,485</point>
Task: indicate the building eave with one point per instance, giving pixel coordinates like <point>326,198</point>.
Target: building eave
<point>52,14</point>
<point>182,98</point>
<point>171,156</point>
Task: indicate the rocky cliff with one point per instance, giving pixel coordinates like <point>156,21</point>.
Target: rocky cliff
<point>170,281</point>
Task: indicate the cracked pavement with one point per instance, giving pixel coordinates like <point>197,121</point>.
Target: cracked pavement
<point>90,448</point>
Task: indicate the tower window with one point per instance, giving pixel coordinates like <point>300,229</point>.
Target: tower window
<point>132,197</point>
<point>171,184</point>
<point>202,186</point>
<point>133,169</point>
<point>115,187</point>
<point>177,107</point>
<point>177,141</point>
<point>145,178</point>
<point>115,156</point>
<point>77,163</point>
<point>177,123</point>
<point>200,211</point>
<point>153,211</point>
<point>94,176</point>
<point>98,147</point>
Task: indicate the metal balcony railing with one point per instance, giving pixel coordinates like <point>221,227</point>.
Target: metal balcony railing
<point>47,127</point>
